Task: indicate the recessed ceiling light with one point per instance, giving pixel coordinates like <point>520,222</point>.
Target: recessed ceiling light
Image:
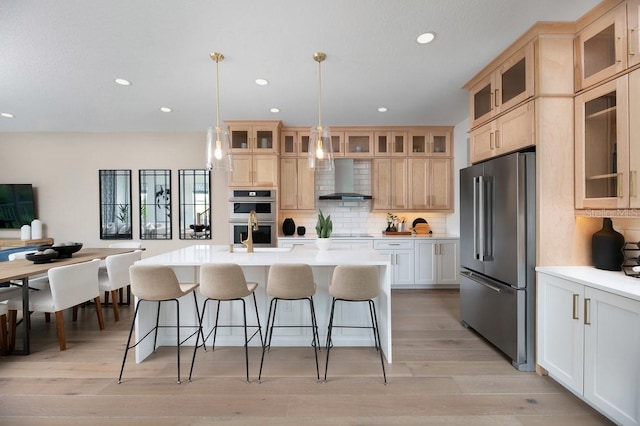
<point>382,109</point>
<point>165,109</point>
<point>275,110</point>
<point>427,37</point>
<point>122,82</point>
<point>261,82</point>
<point>6,115</point>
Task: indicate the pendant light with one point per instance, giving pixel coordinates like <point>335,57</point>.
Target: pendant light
<point>218,146</point>
<point>320,149</point>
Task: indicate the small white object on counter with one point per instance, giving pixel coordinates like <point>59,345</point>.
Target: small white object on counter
<point>36,229</point>
<point>25,232</point>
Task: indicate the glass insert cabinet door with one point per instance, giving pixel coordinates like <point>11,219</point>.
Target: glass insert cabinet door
<point>155,204</point>
<point>195,204</point>
<point>602,147</point>
<point>115,204</point>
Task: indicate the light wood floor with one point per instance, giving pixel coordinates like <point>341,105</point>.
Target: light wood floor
<point>443,374</point>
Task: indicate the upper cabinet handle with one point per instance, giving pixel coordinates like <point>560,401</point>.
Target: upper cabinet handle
<point>617,49</point>
<point>630,42</point>
<point>495,98</point>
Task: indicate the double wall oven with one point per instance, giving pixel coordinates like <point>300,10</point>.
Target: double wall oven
<point>263,202</point>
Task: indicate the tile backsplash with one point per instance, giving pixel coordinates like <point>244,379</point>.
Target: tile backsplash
<point>355,216</point>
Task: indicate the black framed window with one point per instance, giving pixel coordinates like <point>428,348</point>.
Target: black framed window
<point>155,204</point>
<point>115,204</point>
<point>195,204</point>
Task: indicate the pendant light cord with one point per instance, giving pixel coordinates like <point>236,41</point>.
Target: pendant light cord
<point>319,94</point>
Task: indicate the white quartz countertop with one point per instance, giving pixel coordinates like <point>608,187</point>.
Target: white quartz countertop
<point>206,253</point>
<point>312,237</point>
<point>612,281</point>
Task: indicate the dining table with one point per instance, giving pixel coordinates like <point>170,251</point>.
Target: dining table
<point>22,269</point>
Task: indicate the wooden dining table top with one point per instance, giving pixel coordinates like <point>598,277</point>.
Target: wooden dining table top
<point>22,268</point>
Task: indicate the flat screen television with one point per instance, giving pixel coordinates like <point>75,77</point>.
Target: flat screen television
<point>16,205</point>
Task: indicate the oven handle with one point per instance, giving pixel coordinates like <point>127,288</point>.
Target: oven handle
<point>252,200</point>
<point>244,222</point>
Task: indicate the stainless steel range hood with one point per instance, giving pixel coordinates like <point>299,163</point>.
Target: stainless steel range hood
<point>344,183</point>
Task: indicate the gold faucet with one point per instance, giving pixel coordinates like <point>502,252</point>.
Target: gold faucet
<point>252,225</point>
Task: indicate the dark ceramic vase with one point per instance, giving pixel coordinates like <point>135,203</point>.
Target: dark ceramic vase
<point>288,226</point>
<point>606,247</point>
<point>301,230</point>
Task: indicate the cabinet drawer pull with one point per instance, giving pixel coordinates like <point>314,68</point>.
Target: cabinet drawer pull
<point>497,138</point>
<point>575,306</point>
<point>587,317</point>
<point>491,136</point>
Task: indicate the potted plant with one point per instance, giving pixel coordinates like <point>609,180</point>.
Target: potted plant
<point>324,227</point>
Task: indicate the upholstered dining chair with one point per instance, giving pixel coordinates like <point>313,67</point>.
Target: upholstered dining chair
<point>226,282</point>
<point>69,286</point>
<point>38,282</point>
<point>116,276</point>
<point>158,283</point>
<point>103,267</point>
<point>3,329</point>
<point>355,283</point>
<point>290,281</point>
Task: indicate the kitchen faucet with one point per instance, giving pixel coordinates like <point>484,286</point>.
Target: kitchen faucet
<point>252,225</point>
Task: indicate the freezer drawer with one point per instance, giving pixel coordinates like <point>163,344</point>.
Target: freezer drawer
<point>495,311</point>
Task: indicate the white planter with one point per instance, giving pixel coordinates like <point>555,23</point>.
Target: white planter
<point>323,243</point>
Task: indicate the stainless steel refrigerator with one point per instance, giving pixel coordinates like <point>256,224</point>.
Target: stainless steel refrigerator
<point>498,252</point>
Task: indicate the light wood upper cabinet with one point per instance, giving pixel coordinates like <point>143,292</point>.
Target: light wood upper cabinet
<point>608,45</point>
<point>389,184</point>
<point>254,136</point>
<point>507,86</point>
<point>634,139</point>
<point>390,143</point>
<point>289,143</point>
<point>508,133</point>
<point>254,170</point>
<point>429,184</point>
<point>297,185</point>
<point>358,143</point>
<point>602,146</point>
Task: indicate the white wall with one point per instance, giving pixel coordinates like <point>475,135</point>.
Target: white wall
<point>63,168</point>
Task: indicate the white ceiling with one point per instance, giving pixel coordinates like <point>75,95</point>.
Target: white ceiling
<point>58,60</point>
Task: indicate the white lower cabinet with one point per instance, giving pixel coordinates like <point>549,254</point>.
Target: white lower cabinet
<point>402,256</point>
<point>436,263</point>
<point>589,341</point>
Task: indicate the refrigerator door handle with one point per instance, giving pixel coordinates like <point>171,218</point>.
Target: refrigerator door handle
<point>478,217</point>
<point>487,223</point>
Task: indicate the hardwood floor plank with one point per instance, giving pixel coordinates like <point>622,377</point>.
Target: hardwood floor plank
<point>443,374</point>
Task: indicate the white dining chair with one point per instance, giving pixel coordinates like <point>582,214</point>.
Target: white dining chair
<point>103,267</point>
<point>3,329</point>
<point>116,276</point>
<point>37,282</point>
<point>69,286</point>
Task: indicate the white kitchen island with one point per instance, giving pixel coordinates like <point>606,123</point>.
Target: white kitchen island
<point>186,263</point>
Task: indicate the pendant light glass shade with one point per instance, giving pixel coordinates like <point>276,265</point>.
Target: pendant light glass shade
<point>218,150</point>
<point>320,149</point>
<point>218,145</point>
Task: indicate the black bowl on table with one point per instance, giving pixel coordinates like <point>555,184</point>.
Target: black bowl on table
<point>39,258</point>
<point>64,250</point>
